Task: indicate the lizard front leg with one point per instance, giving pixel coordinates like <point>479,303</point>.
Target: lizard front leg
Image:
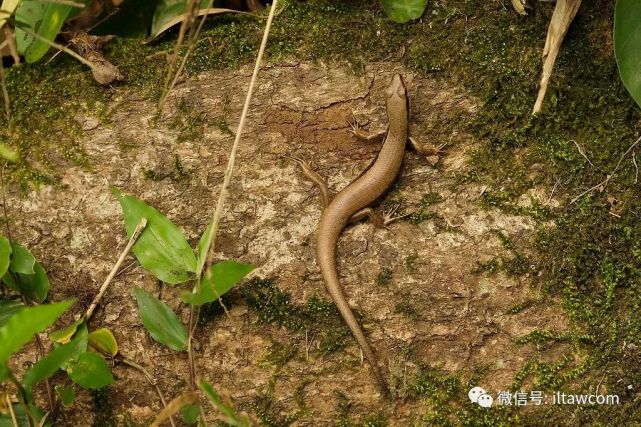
<point>359,133</point>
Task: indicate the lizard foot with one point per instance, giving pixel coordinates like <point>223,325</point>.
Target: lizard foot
<point>431,152</point>
<point>357,130</point>
<point>302,163</point>
<point>388,216</point>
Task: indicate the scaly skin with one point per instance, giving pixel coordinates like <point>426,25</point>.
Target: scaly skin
<point>358,195</point>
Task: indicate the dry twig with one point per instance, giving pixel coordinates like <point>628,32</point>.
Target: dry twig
<point>607,179</point>
<point>582,152</point>
<point>210,240</point>
<point>564,13</point>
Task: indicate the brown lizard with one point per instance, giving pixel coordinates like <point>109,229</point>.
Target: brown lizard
<point>351,204</point>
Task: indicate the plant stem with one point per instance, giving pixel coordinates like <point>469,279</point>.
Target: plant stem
<point>22,398</point>
<point>13,415</point>
<point>41,350</point>
<point>210,239</point>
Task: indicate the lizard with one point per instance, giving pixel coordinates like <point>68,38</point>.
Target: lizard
<point>352,204</point>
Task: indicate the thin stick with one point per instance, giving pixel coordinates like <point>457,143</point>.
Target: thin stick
<point>134,236</point>
<point>22,398</point>
<point>211,240</point>
<point>13,415</point>
<point>556,184</point>
<point>636,167</point>
<point>581,152</point>
<point>211,237</point>
<point>192,44</point>
<point>147,375</point>
<point>5,93</point>
<point>66,3</point>
<point>188,398</point>
<point>41,350</point>
<point>610,175</point>
<point>189,17</point>
<point>10,39</point>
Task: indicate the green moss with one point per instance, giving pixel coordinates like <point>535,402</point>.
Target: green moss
<point>422,213</point>
<point>278,354</point>
<point>543,338</point>
<point>317,317</point>
<point>384,277</point>
<point>189,121</point>
<point>517,308</point>
<point>410,262</point>
<point>407,309</point>
<point>447,404</point>
<point>178,173</point>
<point>221,121</point>
<point>491,266</point>
<point>269,412</point>
<point>345,418</point>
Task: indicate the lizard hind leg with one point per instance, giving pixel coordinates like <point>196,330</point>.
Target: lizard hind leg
<point>379,221</point>
<point>316,178</point>
<point>427,149</point>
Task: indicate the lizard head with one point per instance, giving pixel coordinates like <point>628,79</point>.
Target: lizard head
<point>396,90</point>
<point>397,100</point>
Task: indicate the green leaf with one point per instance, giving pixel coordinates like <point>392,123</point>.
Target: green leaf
<point>67,396</point>
<point>8,308</point>
<point>8,153</point>
<point>627,45</point>
<point>52,19</point>
<point>4,372</point>
<point>160,321</point>
<point>29,14</point>
<point>90,371</point>
<point>402,11</point>
<point>35,286</point>
<point>21,417</point>
<point>23,325</point>
<point>203,239</point>
<point>218,280</point>
<point>231,417</point>
<point>161,248</point>
<point>5,255</point>
<point>64,335</point>
<point>48,365</point>
<point>82,333</point>
<point>190,413</point>
<point>21,260</point>
<point>104,341</point>
<point>168,10</point>
<point>29,278</point>
<point>9,280</point>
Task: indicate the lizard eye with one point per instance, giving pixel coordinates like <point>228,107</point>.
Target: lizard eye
<point>400,91</point>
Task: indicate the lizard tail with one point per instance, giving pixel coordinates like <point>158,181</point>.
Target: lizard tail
<point>327,264</point>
